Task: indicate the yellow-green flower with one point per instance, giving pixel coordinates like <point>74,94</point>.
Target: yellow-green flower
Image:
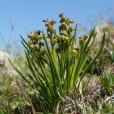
<point>36,46</point>
<point>52,22</point>
<point>62,15</point>
<point>63,26</point>
<point>71,29</point>
<point>35,36</point>
<point>70,21</point>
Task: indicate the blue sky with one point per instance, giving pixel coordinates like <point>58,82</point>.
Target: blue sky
<point>27,15</point>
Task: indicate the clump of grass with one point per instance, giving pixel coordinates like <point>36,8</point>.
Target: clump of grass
<point>56,65</point>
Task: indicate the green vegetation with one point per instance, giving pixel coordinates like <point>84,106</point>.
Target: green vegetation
<point>61,74</point>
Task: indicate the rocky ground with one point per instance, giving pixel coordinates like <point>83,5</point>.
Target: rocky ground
<point>5,66</point>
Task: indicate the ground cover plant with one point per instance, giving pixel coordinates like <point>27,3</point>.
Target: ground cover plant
<point>12,88</point>
<point>57,66</point>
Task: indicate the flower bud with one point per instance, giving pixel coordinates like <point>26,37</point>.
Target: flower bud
<point>63,26</point>
<point>64,33</point>
<point>54,41</point>
<point>32,36</point>
<point>63,20</point>
<point>59,37</point>
<point>51,30</point>
<point>46,20</point>
<point>47,25</point>
<point>37,32</point>
<point>61,15</point>
<point>36,46</point>
<point>52,22</point>
<point>84,37</point>
<point>70,21</point>
<point>67,38</point>
<point>71,29</point>
<point>34,41</point>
